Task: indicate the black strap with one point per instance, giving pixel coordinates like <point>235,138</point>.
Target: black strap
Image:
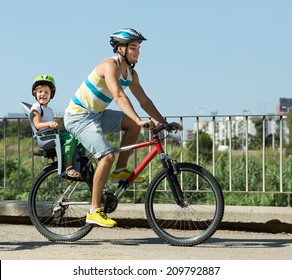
<point>124,56</point>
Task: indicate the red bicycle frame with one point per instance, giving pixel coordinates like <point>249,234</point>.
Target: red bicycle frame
<point>157,149</point>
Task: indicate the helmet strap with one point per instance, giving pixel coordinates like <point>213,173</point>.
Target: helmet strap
<point>124,56</point>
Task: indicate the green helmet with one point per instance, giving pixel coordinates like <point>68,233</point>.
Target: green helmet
<point>44,80</point>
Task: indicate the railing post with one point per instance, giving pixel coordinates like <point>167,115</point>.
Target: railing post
<point>197,141</point>
<point>281,153</point>
<point>197,151</point>
<point>32,156</point>
<point>230,152</point>
<point>246,154</point>
<point>4,152</point>
<point>264,154</point>
<point>213,146</point>
<point>18,151</point>
<point>182,139</point>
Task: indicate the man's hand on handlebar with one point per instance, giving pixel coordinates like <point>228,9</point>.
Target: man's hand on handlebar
<point>149,124</point>
<point>176,126</point>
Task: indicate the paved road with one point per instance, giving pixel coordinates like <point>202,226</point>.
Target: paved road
<point>18,242</point>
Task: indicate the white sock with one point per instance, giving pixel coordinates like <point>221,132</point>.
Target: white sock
<point>92,210</point>
<point>118,170</point>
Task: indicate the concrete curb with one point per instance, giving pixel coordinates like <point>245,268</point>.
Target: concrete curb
<point>265,219</point>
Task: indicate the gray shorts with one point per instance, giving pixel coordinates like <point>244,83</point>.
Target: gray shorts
<point>90,129</point>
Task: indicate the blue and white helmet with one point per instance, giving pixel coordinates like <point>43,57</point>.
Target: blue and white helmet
<point>124,37</point>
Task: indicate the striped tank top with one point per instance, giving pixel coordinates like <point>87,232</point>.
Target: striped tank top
<point>93,94</point>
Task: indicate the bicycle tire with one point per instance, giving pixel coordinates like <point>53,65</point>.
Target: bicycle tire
<point>48,212</point>
<point>193,223</point>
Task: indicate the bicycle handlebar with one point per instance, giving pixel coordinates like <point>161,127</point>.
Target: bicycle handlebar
<point>162,126</point>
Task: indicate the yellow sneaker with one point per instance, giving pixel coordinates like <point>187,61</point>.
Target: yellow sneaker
<point>124,175</point>
<point>100,218</point>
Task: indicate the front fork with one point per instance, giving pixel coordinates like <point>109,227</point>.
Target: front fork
<point>173,180</point>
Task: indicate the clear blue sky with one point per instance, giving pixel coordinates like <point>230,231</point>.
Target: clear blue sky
<point>200,56</point>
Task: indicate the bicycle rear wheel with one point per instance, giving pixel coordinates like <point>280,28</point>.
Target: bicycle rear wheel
<point>194,222</point>
<point>58,206</point>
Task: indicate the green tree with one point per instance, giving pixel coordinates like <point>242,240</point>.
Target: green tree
<point>13,126</point>
<point>205,147</point>
<point>288,145</point>
<point>255,142</point>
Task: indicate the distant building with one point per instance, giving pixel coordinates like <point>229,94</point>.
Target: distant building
<point>219,127</point>
<point>284,107</point>
<point>223,128</point>
<point>16,115</point>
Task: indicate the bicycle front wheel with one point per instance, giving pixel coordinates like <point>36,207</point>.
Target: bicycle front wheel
<point>58,206</point>
<point>199,216</point>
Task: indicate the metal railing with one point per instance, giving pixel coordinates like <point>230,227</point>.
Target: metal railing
<point>233,138</point>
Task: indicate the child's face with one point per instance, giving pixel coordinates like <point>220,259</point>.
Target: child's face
<point>43,94</point>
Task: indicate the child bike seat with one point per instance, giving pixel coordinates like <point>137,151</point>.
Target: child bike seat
<point>48,139</point>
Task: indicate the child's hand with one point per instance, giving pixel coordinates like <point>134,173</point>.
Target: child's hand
<point>53,125</point>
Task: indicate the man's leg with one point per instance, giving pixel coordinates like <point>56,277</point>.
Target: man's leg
<point>96,214</point>
<point>130,136</point>
<point>100,178</point>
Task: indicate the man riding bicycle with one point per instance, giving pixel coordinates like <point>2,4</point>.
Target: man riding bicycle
<point>88,119</point>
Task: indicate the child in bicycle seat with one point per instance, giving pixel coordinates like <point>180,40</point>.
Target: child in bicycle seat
<point>43,89</point>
